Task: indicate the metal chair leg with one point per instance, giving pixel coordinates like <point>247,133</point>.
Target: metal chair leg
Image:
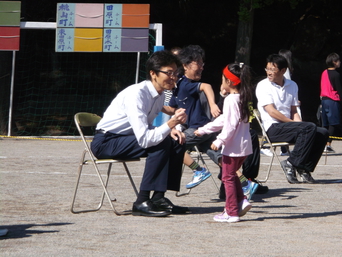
<point>178,193</point>
<point>199,157</point>
<point>130,179</point>
<point>326,157</point>
<point>271,163</point>
<point>80,168</point>
<point>104,185</point>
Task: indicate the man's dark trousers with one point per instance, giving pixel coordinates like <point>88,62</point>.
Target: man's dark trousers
<point>309,141</point>
<point>163,168</point>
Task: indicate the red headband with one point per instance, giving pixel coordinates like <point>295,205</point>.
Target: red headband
<point>231,76</point>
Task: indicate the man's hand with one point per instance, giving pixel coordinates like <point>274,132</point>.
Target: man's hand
<point>209,93</point>
<point>179,118</point>
<point>215,110</point>
<point>178,136</point>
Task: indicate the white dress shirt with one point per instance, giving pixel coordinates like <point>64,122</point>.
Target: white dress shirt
<point>132,112</point>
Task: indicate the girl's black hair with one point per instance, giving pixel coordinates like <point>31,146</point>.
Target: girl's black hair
<point>245,88</point>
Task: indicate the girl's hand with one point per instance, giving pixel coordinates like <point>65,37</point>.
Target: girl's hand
<point>214,147</point>
<point>197,133</point>
<point>223,91</point>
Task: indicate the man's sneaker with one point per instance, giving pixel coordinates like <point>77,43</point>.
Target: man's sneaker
<point>3,232</point>
<point>224,217</point>
<point>266,151</point>
<point>284,154</point>
<point>244,207</point>
<point>328,149</point>
<point>289,172</point>
<point>306,176</point>
<point>261,188</point>
<point>198,178</point>
<point>250,189</point>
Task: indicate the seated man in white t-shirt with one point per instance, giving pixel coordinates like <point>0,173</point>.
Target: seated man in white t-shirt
<point>277,104</point>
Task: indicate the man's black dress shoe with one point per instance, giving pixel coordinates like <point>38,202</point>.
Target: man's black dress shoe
<point>166,204</point>
<point>147,208</point>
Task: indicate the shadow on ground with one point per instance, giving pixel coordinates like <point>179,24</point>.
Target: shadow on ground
<point>300,216</point>
<point>23,230</point>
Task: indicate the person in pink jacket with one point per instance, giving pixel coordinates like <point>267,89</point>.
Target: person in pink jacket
<point>234,138</point>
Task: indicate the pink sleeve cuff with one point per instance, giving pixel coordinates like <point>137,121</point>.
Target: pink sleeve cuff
<point>201,131</point>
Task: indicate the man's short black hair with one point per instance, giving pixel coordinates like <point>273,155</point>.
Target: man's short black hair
<point>160,59</point>
<point>191,53</point>
<point>279,60</point>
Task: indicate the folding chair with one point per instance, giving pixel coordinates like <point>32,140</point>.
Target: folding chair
<point>319,118</point>
<point>83,120</point>
<point>199,157</point>
<point>266,142</point>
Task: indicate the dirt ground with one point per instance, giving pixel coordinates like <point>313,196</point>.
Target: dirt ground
<point>37,179</point>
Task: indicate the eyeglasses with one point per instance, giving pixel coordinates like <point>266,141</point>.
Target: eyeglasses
<point>273,70</point>
<point>169,73</point>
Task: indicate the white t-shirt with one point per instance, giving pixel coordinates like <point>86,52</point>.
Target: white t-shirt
<point>287,74</point>
<point>283,99</point>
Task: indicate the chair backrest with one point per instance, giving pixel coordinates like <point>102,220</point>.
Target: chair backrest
<point>265,141</point>
<point>264,134</point>
<point>86,119</point>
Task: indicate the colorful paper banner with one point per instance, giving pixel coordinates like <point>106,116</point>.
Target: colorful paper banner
<point>10,13</point>
<point>124,27</point>
<point>125,40</point>
<point>10,25</point>
<point>9,38</point>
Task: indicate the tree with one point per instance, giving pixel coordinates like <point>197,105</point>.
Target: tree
<point>245,27</point>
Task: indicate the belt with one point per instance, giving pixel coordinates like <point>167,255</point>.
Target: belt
<point>100,131</point>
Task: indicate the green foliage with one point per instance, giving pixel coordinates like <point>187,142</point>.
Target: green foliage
<point>248,6</point>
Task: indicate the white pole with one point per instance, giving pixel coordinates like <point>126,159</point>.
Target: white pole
<point>11,97</point>
<point>137,69</point>
<point>158,27</point>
